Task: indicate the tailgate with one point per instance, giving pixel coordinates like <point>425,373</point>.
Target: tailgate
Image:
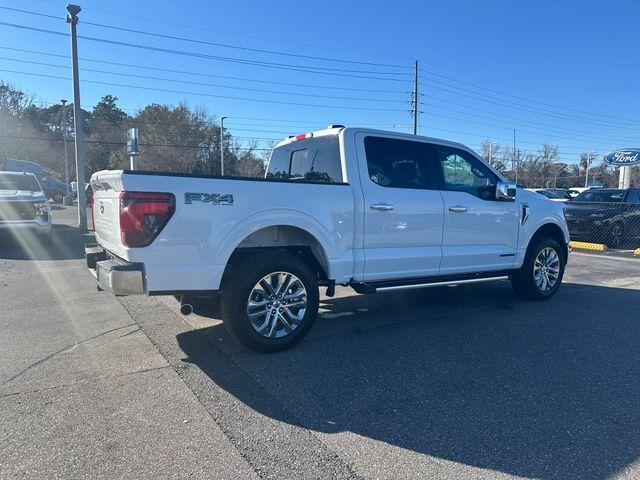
<point>106,186</point>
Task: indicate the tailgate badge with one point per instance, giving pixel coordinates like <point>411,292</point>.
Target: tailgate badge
<point>213,198</point>
<point>102,208</point>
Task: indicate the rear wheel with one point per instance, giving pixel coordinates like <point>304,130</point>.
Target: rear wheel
<point>269,303</point>
<point>542,270</point>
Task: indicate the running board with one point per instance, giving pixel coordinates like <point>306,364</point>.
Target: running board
<point>390,285</point>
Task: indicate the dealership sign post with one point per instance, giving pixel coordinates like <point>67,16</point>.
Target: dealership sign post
<point>625,159</point>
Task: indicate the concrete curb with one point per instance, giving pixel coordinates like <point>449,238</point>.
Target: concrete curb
<point>588,246</point>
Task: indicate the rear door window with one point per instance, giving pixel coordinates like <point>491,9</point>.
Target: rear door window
<point>314,159</point>
<point>397,163</point>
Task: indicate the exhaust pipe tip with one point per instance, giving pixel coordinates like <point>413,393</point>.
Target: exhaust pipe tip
<point>186,306</point>
<point>186,309</point>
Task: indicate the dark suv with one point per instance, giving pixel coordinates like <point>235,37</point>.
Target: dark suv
<point>605,215</point>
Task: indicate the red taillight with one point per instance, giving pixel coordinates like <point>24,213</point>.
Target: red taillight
<point>143,215</point>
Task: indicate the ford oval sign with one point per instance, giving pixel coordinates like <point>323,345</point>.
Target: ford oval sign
<point>628,156</point>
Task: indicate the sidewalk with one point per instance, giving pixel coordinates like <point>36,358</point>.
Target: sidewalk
<point>83,392</point>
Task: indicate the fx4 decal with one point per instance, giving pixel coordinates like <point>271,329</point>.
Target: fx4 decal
<point>214,198</point>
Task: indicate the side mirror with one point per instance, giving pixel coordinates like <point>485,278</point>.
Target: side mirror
<point>506,191</point>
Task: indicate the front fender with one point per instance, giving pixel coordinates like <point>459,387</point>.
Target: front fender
<point>541,212</point>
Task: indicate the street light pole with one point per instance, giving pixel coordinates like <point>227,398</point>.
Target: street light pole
<point>515,155</point>
<point>72,20</point>
<point>64,141</point>
<point>222,145</point>
<point>586,176</point>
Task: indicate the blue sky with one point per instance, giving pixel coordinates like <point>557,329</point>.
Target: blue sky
<point>561,72</point>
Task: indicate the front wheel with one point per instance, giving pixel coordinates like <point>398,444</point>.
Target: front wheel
<point>270,302</point>
<point>542,270</point>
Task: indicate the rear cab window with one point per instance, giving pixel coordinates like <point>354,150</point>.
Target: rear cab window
<point>315,159</point>
<point>27,182</point>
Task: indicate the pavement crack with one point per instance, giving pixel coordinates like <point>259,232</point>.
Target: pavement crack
<point>62,350</point>
<point>84,380</point>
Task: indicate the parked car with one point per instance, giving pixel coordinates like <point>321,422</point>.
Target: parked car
<point>575,191</point>
<point>606,215</point>
<point>369,209</point>
<point>23,206</point>
<point>553,194</point>
<point>51,187</point>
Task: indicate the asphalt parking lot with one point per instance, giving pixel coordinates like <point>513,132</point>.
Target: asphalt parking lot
<point>453,382</point>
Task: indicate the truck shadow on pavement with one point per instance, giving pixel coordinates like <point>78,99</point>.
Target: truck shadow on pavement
<point>467,374</point>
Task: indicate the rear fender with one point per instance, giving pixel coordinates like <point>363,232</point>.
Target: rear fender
<point>282,217</point>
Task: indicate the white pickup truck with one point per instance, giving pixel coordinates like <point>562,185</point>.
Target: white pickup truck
<point>370,209</point>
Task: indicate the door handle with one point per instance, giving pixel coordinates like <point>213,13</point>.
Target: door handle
<point>385,207</point>
<point>458,209</point>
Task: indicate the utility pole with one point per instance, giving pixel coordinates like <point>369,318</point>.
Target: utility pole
<point>222,145</point>
<point>64,141</point>
<point>515,155</point>
<point>415,99</point>
<point>72,20</point>
<point>586,175</point>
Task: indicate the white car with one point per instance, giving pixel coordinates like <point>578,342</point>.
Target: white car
<point>23,206</point>
<point>555,195</point>
<point>371,209</point>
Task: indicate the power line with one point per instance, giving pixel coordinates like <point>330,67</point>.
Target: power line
<point>182,81</point>
<point>517,119</point>
<point>211,95</point>
<point>520,106</point>
<point>522,97</point>
<point>281,66</point>
<point>121,15</point>
<point>106,142</point>
<point>237,47</point>
<point>209,75</point>
<point>509,126</point>
<point>215,44</point>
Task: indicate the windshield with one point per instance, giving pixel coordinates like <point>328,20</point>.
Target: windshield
<point>600,196</point>
<point>19,182</point>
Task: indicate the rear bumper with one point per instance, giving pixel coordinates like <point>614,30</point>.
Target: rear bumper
<point>37,225</point>
<point>113,274</point>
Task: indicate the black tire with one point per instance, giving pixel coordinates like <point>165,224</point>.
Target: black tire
<point>615,237</point>
<point>240,282</point>
<point>524,280</point>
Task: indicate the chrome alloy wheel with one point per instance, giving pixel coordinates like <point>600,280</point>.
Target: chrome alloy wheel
<point>277,304</point>
<point>546,269</point>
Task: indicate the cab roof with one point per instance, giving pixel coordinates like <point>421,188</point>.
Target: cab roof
<point>336,129</point>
